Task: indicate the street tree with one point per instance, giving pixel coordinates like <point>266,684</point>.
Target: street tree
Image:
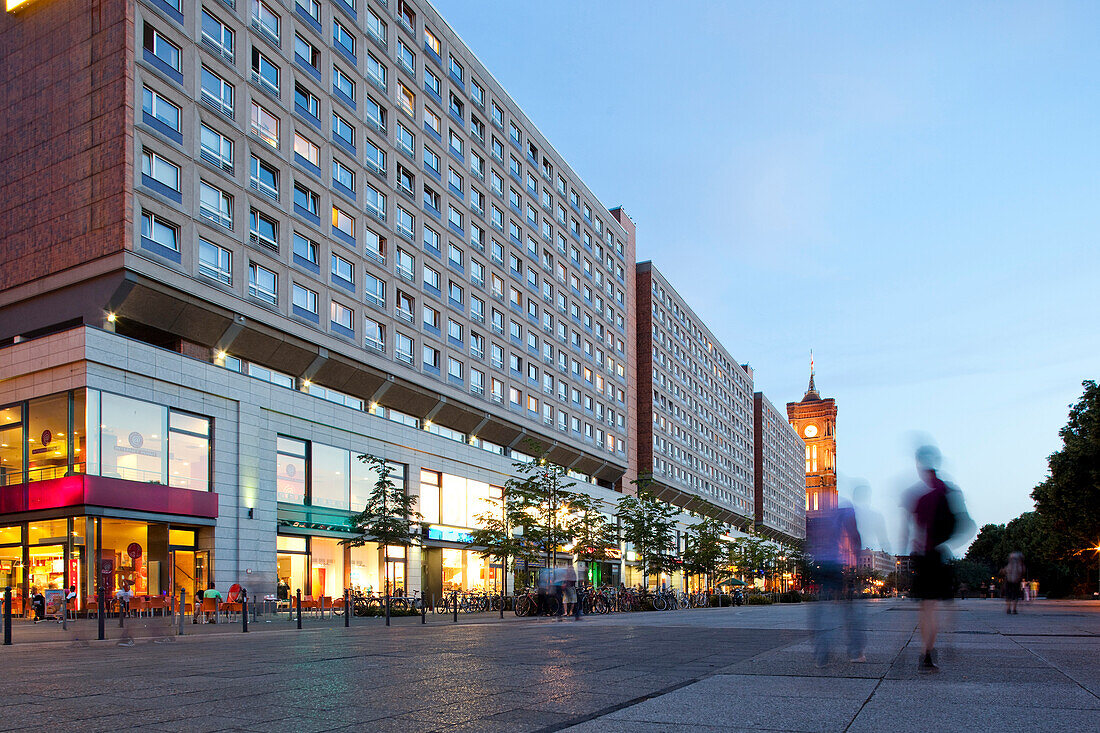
<point>500,536</point>
<point>541,491</point>
<point>387,518</point>
<point>705,550</point>
<point>649,526</point>
<point>594,536</point>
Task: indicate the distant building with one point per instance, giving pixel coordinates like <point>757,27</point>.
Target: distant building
<point>814,419</point>
<point>877,561</point>
<point>778,473</point>
<point>695,406</point>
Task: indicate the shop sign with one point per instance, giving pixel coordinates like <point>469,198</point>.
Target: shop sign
<point>106,566</point>
<point>46,438</point>
<point>449,534</point>
<point>134,551</point>
<point>55,597</point>
<point>315,525</point>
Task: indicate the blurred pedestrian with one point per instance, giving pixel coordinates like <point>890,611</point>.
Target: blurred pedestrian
<point>936,517</point>
<point>1014,578</point>
<point>832,537</point>
<point>568,590</point>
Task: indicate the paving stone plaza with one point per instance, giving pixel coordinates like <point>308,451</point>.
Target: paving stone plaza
<point>748,668</point>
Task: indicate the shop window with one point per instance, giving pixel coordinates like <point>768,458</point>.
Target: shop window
<point>330,471</point>
<point>364,573</point>
<point>188,451</point>
<point>48,437</point>
<point>11,445</point>
<point>132,435</point>
<point>429,496</point>
<point>290,480</point>
<point>292,563</point>
<point>326,568</point>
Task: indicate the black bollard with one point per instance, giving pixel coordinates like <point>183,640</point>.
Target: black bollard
<point>102,613</point>
<point>183,606</point>
<point>347,608</point>
<point>423,612</point>
<point>454,606</point>
<point>244,611</point>
<point>298,603</point>
<point>501,604</point>
<point>7,616</point>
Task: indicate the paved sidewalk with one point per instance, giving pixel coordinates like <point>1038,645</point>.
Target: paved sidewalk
<point>702,669</point>
<point>1039,670</point>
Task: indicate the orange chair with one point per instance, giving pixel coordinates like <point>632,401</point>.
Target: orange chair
<point>158,603</point>
<point>209,606</point>
<point>139,605</point>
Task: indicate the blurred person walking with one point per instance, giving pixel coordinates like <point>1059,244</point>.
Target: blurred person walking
<point>936,517</point>
<point>832,538</point>
<point>1014,579</point>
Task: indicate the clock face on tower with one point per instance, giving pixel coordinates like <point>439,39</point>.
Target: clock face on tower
<point>810,431</point>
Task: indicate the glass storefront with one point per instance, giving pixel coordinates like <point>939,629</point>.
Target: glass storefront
<point>151,558</point>
<point>103,434</point>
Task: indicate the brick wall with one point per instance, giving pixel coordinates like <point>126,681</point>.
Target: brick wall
<point>65,140</point>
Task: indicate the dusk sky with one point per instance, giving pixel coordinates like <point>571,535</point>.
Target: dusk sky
<point>910,191</point>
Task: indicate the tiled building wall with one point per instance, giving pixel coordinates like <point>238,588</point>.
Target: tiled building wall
<point>64,135</point>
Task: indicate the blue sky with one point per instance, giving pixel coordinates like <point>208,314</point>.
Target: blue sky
<point>911,191</point>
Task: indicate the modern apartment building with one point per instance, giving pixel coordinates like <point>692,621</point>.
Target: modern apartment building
<point>778,474</point>
<point>246,241</point>
<point>695,408</point>
<point>877,561</point>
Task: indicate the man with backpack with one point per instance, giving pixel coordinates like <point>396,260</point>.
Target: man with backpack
<point>937,516</point>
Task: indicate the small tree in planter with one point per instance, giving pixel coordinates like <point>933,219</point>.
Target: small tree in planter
<point>388,517</point>
<point>705,551</point>
<point>506,534</point>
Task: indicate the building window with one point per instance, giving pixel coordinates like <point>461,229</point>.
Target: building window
<point>431,42</point>
<point>215,148</point>
<point>263,230</point>
<point>306,200</point>
<point>290,470</point>
<point>376,72</point>
<point>343,38</point>
<point>307,53</point>
<point>161,170</point>
<point>431,358</point>
<point>305,248</point>
<point>343,222</point>
<point>403,347</point>
<point>342,130</point>
<point>160,231</point>
<point>160,109</point>
<point>342,175</point>
<point>264,178</point>
<point>263,283</point>
<point>340,315</point>
<point>406,100</point>
<point>265,20</point>
<point>265,125</point>
<point>342,83</point>
<point>374,334</point>
<point>215,205</point>
<point>307,103</point>
<point>217,92</point>
<point>374,290</point>
<point>264,72</point>
<point>376,27</point>
<point>215,262</point>
<point>160,47</point>
<point>305,299</point>
<point>217,35</point>
<point>342,269</point>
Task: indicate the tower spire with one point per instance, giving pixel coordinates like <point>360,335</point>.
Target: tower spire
<point>811,391</point>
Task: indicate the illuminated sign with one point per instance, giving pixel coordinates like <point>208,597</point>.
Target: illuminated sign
<point>448,534</point>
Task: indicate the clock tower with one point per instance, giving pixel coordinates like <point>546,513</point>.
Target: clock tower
<point>814,419</point>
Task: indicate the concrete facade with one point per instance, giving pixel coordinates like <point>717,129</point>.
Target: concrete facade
<point>778,473</point>
<point>695,433</point>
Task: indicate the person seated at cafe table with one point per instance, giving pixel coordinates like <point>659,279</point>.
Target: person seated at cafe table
<point>212,592</point>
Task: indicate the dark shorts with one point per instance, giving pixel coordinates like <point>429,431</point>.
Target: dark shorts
<point>1013,592</point>
<point>932,578</point>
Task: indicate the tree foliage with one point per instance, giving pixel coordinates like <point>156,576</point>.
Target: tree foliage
<point>594,536</point>
<point>1069,499</point>
<point>648,525</point>
<point>705,551</point>
<point>388,517</point>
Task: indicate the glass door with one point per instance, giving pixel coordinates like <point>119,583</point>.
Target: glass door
<point>182,575</point>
